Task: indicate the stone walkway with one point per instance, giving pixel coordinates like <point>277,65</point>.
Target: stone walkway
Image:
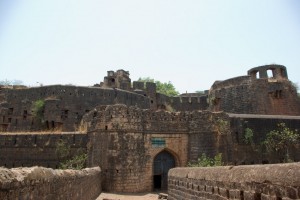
<point>128,196</point>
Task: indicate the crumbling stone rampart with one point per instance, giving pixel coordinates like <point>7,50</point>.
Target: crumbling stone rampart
<point>250,95</point>
<point>30,149</point>
<point>277,181</point>
<point>45,183</point>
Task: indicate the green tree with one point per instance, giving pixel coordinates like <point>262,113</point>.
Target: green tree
<point>163,88</point>
<point>281,141</point>
<point>205,161</point>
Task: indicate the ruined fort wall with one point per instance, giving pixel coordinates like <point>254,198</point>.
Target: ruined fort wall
<point>277,181</point>
<point>64,106</point>
<point>260,125</point>
<point>182,103</point>
<point>126,136</point>
<point>45,183</point>
<point>254,96</point>
<point>30,149</point>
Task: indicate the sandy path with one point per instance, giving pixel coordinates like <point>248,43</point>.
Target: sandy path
<point>128,196</point>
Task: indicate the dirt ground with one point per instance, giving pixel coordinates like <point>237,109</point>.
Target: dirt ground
<point>139,196</point>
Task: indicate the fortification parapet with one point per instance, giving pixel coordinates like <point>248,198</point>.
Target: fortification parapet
<point>63,106</point>
<point>274,95</point>
<point>44,183</point>
<point>278,72</point>
<point>240,80</point>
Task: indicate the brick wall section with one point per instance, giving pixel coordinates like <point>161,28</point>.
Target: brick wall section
<point>30,149</point>
<point>255,182</point>
<point>46,183</point>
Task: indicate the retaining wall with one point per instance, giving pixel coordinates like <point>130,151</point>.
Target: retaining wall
<point>46,183</point>
<point>276,181</point>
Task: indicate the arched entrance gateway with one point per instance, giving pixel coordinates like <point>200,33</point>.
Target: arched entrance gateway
<point>161,165</point>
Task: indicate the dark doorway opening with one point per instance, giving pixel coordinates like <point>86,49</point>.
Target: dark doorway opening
<point>157,181</point>
<point>162,163</point>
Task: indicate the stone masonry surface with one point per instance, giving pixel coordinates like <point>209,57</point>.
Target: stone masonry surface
<point>49,184</point>
<point>276,181</point>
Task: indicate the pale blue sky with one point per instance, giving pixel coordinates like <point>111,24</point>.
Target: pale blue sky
<point>191,43</point>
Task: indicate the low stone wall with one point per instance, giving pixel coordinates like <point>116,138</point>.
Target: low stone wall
<point>46,183</point>
<point>276,181</point>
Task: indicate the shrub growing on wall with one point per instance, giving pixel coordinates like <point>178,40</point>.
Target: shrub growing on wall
<point>281,141</point>
<point>205,161</point>
<point>38,108</point>
<point>63,152</point>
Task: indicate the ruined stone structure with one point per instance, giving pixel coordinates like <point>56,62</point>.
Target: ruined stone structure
<point>253,94</point>
<point>277,181</point>
<point>44,183</point>
<point>136,134</point>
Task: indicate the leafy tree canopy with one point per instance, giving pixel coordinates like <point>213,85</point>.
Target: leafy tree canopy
<point>163,88</point>
<point>281,140</point>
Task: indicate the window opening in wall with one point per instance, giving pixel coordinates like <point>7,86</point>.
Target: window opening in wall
<point>25,114</point>
<point>64,114</point>
<point>158,142</point>
<point>52,124</point>
<point>257,75</point>
<point>113,80</point>
<point>270,73</point>
<point>10,111</point>
<point>278,94</point>
<point>16,121</point>
<point>105,127</point>
<point>9,120</point>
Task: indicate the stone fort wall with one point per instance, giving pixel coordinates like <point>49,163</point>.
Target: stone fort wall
<point>277,181</point>
<point>30,149</point>
<point>260,125</point>
<point>119,138</point>
<point>125,136</point>
<point>44,183</point>
<point>64,105</point>
<point>274,95</point>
